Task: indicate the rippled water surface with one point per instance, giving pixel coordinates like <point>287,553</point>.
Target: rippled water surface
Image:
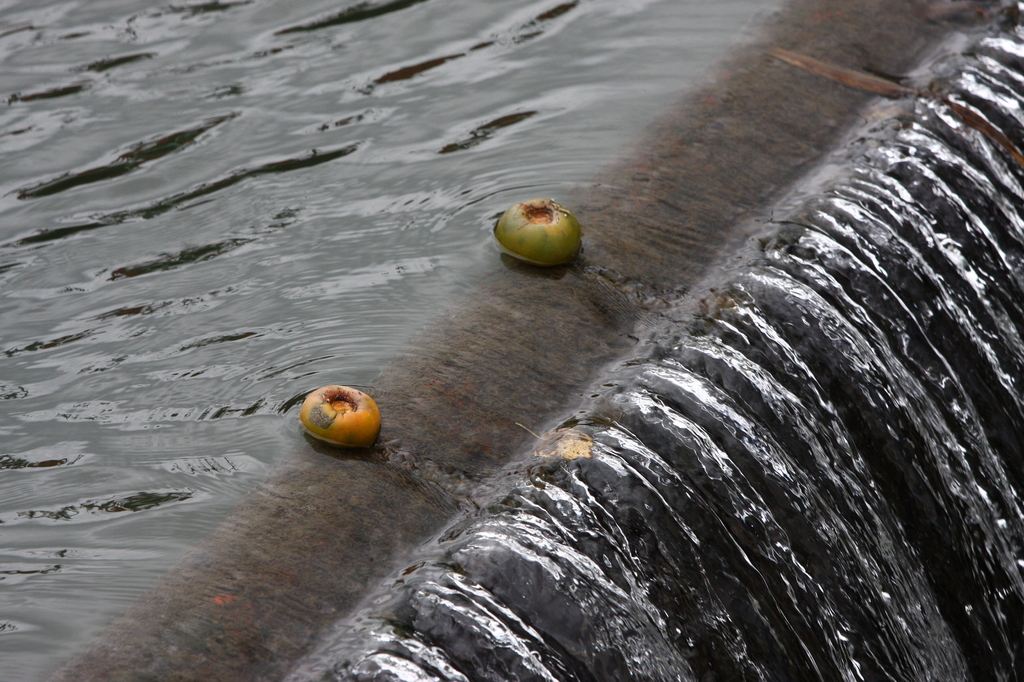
<point>208,208</point>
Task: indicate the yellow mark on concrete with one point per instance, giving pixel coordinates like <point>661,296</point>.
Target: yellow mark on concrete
<point>570,444</point>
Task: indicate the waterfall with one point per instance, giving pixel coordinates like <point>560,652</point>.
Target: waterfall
<point>810,471</point>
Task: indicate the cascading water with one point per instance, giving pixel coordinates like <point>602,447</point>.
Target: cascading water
<point>815,477</point>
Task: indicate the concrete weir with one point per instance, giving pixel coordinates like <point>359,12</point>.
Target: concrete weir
<point>302,550</point>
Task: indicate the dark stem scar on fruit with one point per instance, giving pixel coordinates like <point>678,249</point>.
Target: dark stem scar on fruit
<point>341,401</point>
<point>539,214</point>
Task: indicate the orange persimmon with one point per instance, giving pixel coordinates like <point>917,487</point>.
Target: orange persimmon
<point>341,416</point>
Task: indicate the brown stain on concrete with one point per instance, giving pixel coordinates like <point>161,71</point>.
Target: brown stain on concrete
<point>305,547</point>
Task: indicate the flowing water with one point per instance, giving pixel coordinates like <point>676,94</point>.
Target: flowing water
<point>815,476</point>
<point>209,208</point>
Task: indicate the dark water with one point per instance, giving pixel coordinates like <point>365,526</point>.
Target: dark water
<point>813,473</point>
<point>209,208</point>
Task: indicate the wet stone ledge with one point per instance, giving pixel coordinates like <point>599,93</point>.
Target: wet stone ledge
<point>302,550</point>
